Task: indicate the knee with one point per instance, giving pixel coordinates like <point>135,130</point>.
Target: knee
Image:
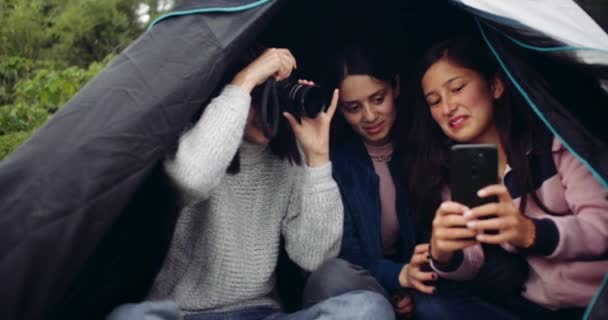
<point>331,270</point>
<point>334,277</point>
<point>146,310</point>
<point>370,305</point>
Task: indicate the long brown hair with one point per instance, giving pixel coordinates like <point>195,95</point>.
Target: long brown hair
<point>425,159</point>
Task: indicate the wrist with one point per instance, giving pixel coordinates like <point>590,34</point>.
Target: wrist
<point>441,257</point>
<point>316,159</point>
<point>528,234</point>
<point>243,80</point>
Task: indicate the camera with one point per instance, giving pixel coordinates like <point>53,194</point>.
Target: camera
<point>300,100</point>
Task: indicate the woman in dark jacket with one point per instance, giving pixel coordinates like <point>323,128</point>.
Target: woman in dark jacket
<point>381,245</point>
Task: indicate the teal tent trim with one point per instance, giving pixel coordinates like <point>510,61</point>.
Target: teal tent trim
<point>596,298</point>
<point>531,103</point>
<point>208,10</point>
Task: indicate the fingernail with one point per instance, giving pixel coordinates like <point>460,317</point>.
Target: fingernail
<point>471,224</point>
<point>479,237</point>
<point>468,213</point>
<point>481,193</point>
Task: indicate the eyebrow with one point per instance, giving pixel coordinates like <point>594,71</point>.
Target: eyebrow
<point>371,95</point>
<point>447,82</point>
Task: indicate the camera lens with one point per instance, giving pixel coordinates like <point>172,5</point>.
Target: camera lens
<point>300,99</point>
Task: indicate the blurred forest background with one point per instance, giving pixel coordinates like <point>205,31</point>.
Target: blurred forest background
<point>50,48</point>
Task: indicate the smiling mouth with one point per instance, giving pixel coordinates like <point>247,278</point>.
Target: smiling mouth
<point>457,122</point>
<point>374,129</point>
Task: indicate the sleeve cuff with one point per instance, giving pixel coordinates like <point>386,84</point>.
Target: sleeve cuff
<point>451,265</point>
<point>388,275</point>
<point>547,238</point>
<point>234,90</point>
<point>318,174</point>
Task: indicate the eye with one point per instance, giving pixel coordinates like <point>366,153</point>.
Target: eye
<point>350,107</point>
<point>378,99</point>
<point>433,102</point>
<point>458,88</point>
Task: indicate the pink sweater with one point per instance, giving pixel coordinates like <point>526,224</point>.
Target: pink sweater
<point>570,274</point>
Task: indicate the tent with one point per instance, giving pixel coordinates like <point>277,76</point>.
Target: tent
<point>86,212</point>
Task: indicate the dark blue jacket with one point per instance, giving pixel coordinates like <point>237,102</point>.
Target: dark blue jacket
<point>362,241</point>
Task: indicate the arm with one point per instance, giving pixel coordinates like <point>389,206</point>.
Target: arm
<point>385,271</point>
<point>204,152</point>
<point>454,252</point>
<point>313,225</point>
<point>582,234</point>
<point>585,233</point>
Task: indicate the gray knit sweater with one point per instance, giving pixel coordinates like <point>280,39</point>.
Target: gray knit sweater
<point>225,247</point>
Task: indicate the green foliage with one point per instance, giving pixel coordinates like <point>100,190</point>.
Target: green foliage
<point>37,98</point>
<point>78,32</point>
<point>22,31</point>
<point>87,30</point>
<point>11,141</point>
<point>21,117</point>
<point>13,69</point>
<point>49,49</point>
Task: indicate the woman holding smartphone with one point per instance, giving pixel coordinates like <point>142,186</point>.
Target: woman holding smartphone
<point>386,251</point>
<point>550,208</point>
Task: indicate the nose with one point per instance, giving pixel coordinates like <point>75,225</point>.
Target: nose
<point>448,107</point>
<point>368,114</point>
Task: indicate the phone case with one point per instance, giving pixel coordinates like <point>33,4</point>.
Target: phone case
<point>472,167</point>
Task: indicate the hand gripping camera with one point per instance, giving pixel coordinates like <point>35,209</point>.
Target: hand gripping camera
<point>300,100</point>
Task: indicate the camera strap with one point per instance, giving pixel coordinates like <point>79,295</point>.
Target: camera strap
<point>269,110</point>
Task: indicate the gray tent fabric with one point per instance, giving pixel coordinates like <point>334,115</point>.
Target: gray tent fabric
<point>86,211</point>
<point>67,185</point>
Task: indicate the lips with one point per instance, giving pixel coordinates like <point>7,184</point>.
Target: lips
<point>374,129</point>
<point>457,122</point>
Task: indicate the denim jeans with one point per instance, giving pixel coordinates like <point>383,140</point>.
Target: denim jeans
<point>364,305</point>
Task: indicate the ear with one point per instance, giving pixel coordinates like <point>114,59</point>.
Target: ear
<point>497,87</point>
<point>397,87</point>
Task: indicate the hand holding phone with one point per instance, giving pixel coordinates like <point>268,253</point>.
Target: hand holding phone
<point>474,183</point>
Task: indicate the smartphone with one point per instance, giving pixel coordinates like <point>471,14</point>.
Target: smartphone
<point>472,167</point>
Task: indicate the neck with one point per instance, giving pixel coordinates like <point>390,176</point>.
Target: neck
<point>251,152</point>
<point>381,153</point>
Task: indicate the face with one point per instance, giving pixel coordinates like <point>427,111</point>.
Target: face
<point>461,101</point>
<point>368,105</point>
<point>253,129</point>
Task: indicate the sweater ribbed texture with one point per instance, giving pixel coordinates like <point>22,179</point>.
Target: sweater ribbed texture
<point>226,243</point>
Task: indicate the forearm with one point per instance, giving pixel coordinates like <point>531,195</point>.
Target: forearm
<point>205,151</point>
<point>313,225</point>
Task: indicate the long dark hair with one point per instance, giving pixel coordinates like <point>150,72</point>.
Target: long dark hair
<point>362,58</point>
<point>425,161</point>
<point>283,145</point>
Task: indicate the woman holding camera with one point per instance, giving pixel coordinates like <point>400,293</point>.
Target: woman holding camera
<point>222,258</point>
<point>550,208</point>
